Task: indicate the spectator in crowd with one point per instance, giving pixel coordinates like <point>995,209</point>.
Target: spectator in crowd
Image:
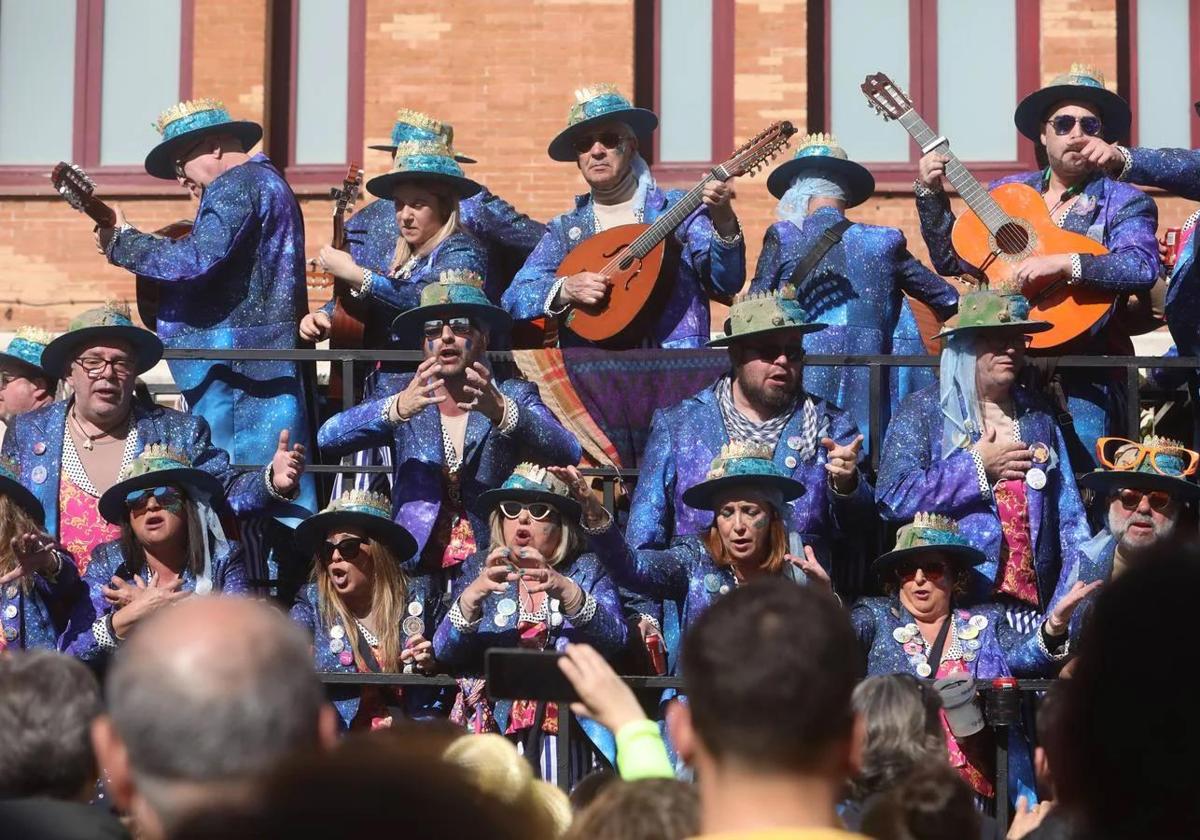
<point>364,613</point>
<point>904,730</point>
<point>768,724</point>
<point>649,809</point>
<point>172,546</point>
<point>930,802</point>
<point>535,588</point>
<point>24,383</point>
<point>1044,820</point>
<point>1123,760</point>
<point>47,769</point>
<point>986,451</point>
<point>70,452</point>
<point>201,699</point>
<point>42,601</point>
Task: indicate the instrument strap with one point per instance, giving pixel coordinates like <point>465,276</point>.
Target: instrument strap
<point>368,658</point>
<point>830,237</point>
<point>939,645</point>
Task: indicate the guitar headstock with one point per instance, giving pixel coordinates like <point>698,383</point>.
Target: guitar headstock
<point>886,97</point>
<point>755,153</point>
<point>346,196</point>
<point>79,190</point>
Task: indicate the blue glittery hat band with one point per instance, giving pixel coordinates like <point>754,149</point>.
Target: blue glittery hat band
<point>605,103</point>
<point>370,510</point>
<point>752,467</point>
<point>432,164</point>
<point>27,351</point>
<point>406,133</point>
<point>7,470</point>
<point>191,122</point>
<point>933,538</point>
<point>1018,306</point>
<point>814,151</point>
<point>520,482</point>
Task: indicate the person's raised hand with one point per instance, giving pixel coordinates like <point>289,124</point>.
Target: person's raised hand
<point>485,396</point>
<point>813,570</point>
<point>931,168</point>
<point>1058,621</point>
<point>1026,818</point>
<point>421,390</point>
<point>287,465</point>
<point>841,462</point>
<point>603,696</point>
<point>1102,155</point>
<point>341,265</point>
<point>34,553</point>
<point>419,651</point>
<point>495,576</point>
<point>594,513</point>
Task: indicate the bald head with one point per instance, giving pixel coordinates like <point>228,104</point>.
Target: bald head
<point>213,688</point>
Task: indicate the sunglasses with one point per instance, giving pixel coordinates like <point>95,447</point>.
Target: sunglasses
<point>347,548</point>
<point>1127,455</point>
<point>166,497</point>
<point>1130,498</point>
<point>771,352</point>
<point>1064,123</point>
<point>607,139</point>
<point>537,510</point>
<point>935,570</point>
<point>458,326</point>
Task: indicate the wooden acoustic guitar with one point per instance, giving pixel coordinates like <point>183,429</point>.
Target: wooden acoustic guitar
<point>1003,228</point>
<point>348,322</point>
<point>73,184</point>
<point>631,256</point>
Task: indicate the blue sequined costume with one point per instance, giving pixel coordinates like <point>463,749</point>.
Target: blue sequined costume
<point>235,282</point>
<point>489,457</point>
<point>914,477</point>
<point>51,613</point>
<point>109,561</point>
<point>35,442</point>
<point>419,702</point>
<point>1124,220</point>
<point>858,290</point>
<point>707,267</point>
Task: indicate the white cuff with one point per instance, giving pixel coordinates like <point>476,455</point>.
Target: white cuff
<point>459,621</point>
<point>275,494</point>
<point>548,307</point>
<point>730,240</point>
<point>599,529</point>
<point>365,289</point>
<point>104,639</point>
<point>1063,652</point>
<point>586,613</point>
<point>1076,269</point>
<point>985,488</point>
<point>512,414</point>
<point>1125,153</point>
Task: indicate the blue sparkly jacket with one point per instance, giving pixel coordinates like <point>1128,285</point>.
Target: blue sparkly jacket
<point>489,457</point>
<point>1122,218</point>
<point>109,561</point>
<point>914,477</point>
<point>507,236</point>
<point>707,267</point>
<point>858,290</point>
<point>418,702</point>
<point>35,441</point>
<point>235,282</point>
<point>685,438</point>
<point>49,615</point>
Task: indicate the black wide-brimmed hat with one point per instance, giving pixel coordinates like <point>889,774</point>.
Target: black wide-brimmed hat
<point>457,293</point>
<point>111,321</point>
<point>360,509</point>
<point>185,124</point>
<point>530,483</point>
<point>594,105</point>
<point>928,533</point>
<point>742,464</point>
<point>821,154</point>
<point>159,466</point>
<point>1082,83</point>
<point>1155,464</point>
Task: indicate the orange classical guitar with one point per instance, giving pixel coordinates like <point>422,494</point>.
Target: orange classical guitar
<point>631,256</point>
<point>1004,227</point>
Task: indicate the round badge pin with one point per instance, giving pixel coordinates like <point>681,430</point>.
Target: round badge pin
<point>969,656</point>
<point>794,442</point>
<point>413,626</point>
<point>337,632</point>
<point>1036,478</point>
<point>555,605</point>
<point>712,582</point>
<point>574,233</point>
<point>968,632</point>
<point>724,590</point>
<point>39,448</point>
<point>336,645</point>
<point>10,633</point>
<point>923,670</point>
<point>11,592</point>
<point>415,608</point>
<point>912,629</point>
<point>1040,452</point>
<point>506,607</point>
<point>790,462</point>
<point>972,644</point>
<point>556,620</point>
<point>978,621</point>
<point>346,657</point>
<point>501,620</point>
<point>10,611</point>
<point>901,635</point>
<point>912,648</point>
<point>38,474</point>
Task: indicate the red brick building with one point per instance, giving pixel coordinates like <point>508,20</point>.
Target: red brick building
<point>83,80</point>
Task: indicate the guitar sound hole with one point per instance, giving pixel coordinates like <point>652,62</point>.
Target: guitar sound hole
<point>625,264</point>
<point>1012,238</point>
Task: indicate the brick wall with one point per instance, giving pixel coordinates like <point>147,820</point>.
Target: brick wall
<point>503,72</point>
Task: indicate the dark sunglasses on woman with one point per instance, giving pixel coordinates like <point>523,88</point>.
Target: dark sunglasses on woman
<point>934,570</point>
<point>347,548</point>
<point>166,496</point>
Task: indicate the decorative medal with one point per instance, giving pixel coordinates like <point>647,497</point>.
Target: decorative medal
<point>337,632</point>
<point>506,607</point>
<point>978,621</point>
<point>10,611</point>
<point>1036,478</point>
<point>712,583</point>
<point>901,635</point>
<point>412,626</point>
<point>923,670</point>
<point>415,608</point>
<point>346,657</point>
<point>336,645</point>
<point>1040,453</point>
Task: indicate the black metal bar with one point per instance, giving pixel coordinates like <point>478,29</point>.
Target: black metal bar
<point>875,400</point>
<point>1003,736</point>
<point>562,756</point>
<point>347,382</point>
<point>1133,405</point>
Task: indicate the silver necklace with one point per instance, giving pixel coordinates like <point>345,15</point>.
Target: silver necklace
<point>369,637</point>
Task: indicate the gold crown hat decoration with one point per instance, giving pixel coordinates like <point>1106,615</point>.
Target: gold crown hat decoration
<point>737,450</point>
<point>1157,463</point>
<point>530,482</point>
<point>423,161</point>
<point>744,464</point>
<point>185,123</point>
<point>35,335</point>
<point>987,309</point>
<point>361,510</point>
<point>160,465</point>
<point>458,293</point>
<point>1084,83</point>
<point>412,125</point>
<point>461,277</point>
<point>594,105</point>
<point>820,144</point>
<point>820,155</point>
<point>759,314</point>
<point>928,532</point>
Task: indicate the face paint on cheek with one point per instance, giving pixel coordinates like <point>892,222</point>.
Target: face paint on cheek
<point>468,344</point>
<point>761,522</point>
<point>429,342</point>
<point>175,506</point>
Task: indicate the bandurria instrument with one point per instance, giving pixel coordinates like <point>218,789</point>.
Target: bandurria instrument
<point>631,256</point>
<point>1005,226</point>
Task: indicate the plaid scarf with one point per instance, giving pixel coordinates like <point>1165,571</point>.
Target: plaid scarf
<point>740,427</point>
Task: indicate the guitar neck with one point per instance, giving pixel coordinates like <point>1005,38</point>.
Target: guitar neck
<point>339,231</point>
<point>667,222</point>
<point>99,212</point>
<point>973,193</point>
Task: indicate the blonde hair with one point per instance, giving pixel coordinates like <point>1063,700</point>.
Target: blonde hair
<point>777,542</point>
<point>570,539</point>
<point>14,521</point>
<point>446,199</point>
<point>389,592</point>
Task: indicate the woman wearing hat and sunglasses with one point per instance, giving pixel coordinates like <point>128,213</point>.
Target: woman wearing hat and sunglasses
<point>533,588</point>
<point>749,497</point>
<point>42,602</point>
<point>919,628</point>
<point>364,613</point>
<point>172,546</point>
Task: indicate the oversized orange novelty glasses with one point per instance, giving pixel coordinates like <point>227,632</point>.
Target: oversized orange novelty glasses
<point>1128,456</point>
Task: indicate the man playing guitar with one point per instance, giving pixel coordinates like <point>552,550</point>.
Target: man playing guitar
<point>1063,119</point>
<point>602,139</point>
